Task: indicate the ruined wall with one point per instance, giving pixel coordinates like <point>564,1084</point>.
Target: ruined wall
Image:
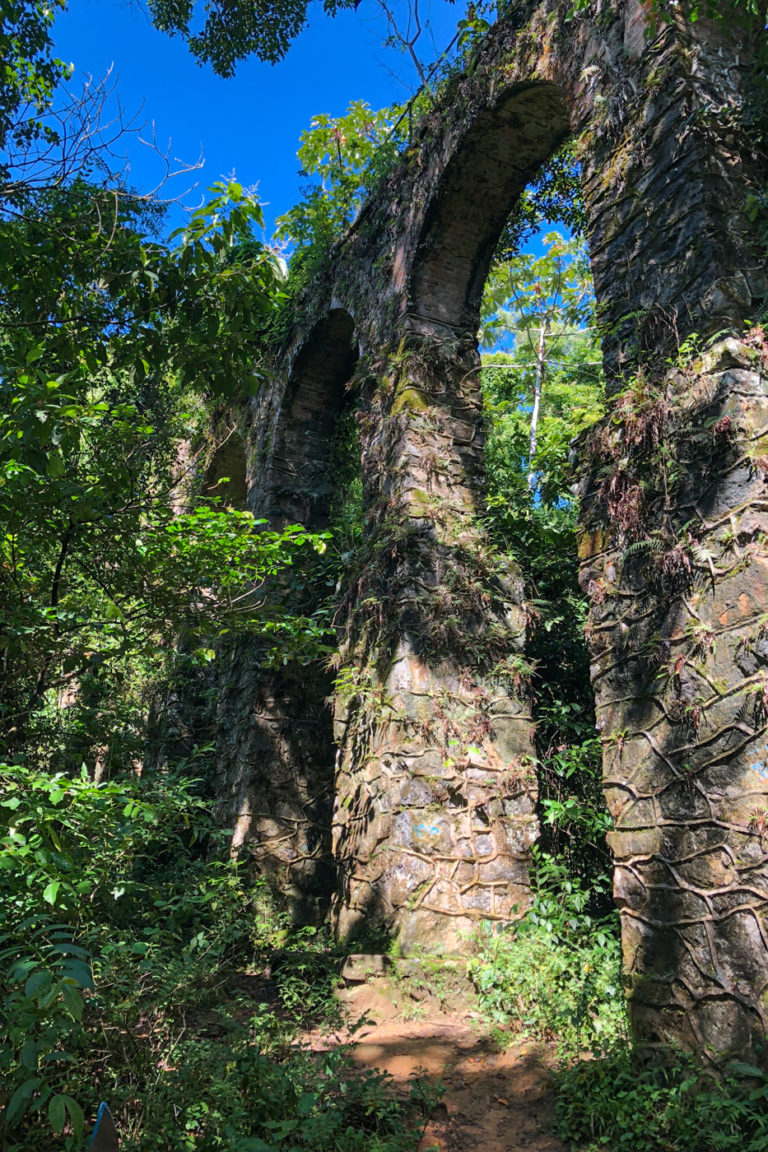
<point>674,517</point>
<point>274,745</point>
<point>435,788</point>
<point>434,791</point>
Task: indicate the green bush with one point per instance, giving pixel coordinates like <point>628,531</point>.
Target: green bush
<point>628,1103</point>
<point>121,933</point>
<point>557,972</point>
<point>245,1093</point>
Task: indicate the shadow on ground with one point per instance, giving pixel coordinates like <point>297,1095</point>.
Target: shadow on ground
<point>496,1098</point>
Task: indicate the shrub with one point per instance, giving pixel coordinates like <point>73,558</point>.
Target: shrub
<point>557,972</point>
<point>122,930</point>
<point>629,1103</point>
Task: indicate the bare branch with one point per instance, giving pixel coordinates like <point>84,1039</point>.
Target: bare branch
<point>84,135</point>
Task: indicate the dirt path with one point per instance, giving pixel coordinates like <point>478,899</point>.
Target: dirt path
<point>494,1101</point>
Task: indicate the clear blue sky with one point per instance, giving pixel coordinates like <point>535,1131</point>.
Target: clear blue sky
<point>251,123</point>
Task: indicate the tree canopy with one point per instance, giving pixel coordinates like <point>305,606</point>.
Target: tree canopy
<point>228,31</point>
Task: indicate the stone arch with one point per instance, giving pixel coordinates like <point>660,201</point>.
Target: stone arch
<point>225,476</point>
<point>436,804</point>
<point>276,748</point>
<point>301,484</point>
<point>436,809</point>
<point>500,153</point>
<point>666,183</point>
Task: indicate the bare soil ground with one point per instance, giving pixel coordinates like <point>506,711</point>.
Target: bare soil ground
<point>496,1098</point>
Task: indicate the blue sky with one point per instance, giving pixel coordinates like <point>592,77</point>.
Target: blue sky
<point>251,123</point>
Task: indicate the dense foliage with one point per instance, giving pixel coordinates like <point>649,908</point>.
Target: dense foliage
<point>347,155</point>
<point>102,384</point>
<point>557,973</point>
<point>228,31</point>
<point>29,76</point>
<point>121,914</point>
<point>630,1102</point>
<point>116,982</point>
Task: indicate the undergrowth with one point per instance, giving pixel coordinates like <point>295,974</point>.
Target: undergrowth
<point>630,1103</point>
<point>555,974</point>
<point>132,970</point>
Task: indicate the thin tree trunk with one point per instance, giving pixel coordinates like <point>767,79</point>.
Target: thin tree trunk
<point>541,353</point>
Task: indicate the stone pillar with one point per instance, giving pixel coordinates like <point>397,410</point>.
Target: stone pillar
<point>435,786</point>
<point>274,729</point>
<point>274,774</point>
<point>673,518</point>
<point>668,163</point>
<point>675,562</point>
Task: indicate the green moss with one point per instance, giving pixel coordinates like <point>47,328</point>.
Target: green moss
<point>410,399</point>
<point>421,502</point>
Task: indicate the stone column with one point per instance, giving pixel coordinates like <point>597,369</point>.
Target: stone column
<point>274,731</point>
<point>673,518</point>
<point>274,774</point>
<point>679,632</point>
<point>668,164</point>
<point>435,786</point>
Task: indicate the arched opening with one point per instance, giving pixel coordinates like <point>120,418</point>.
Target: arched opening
<point>225,479</point>
<point>301,482</point>
<point>498,157</point>
<point>280,769</point>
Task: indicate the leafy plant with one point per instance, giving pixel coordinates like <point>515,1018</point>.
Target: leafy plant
<point>633,1102</point>
<point>232,31</point>
<point>123,930</point>
<point>347,155</point>
<point>557,972</point>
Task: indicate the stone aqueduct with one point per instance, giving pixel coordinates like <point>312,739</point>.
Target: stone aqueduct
<point>426,824</point>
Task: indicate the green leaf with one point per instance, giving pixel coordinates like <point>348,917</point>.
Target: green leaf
<point>747,1070</point>
<point>28,1055</point>
<point>57,1113</point>
<point>38,982</point>
<point>78,972</point>
<point>75,1115</point>
<point>19,1101</point>
<point>67,948</point>
<point>22,968</point>
<point>55,465</point>
<point>51,891</point>
<point>73,1001</point>
<point>307,1101</point>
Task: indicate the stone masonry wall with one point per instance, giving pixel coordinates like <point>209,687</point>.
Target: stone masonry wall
<point>274,727</point>
<point>435,786</point>
<point>274,777</point>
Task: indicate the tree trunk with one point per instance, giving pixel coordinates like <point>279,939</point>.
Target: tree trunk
<point>538,384</point>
